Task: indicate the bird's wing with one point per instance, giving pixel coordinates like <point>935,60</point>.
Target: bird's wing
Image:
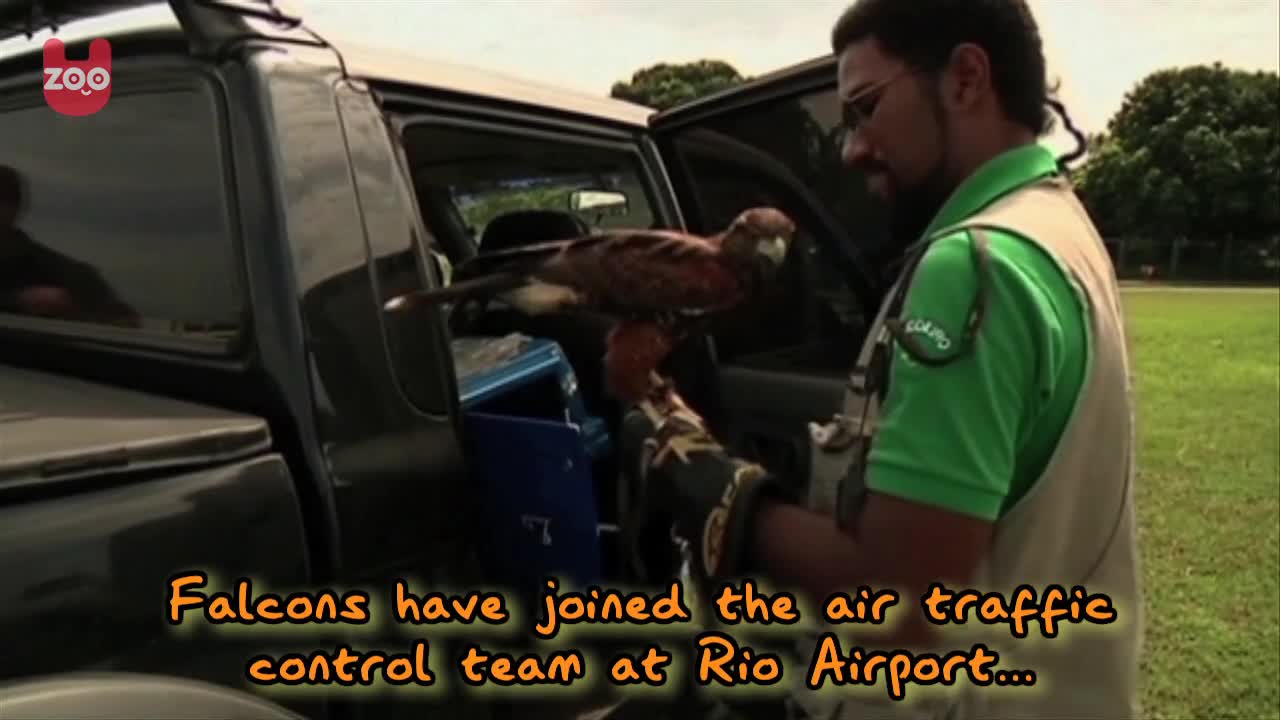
<point>518,259</point>
<point>534,253</point>
<point>646,271</point>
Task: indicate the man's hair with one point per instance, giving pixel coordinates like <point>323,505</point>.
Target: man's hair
<point>924,32</point>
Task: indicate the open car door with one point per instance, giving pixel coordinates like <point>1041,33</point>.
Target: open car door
<point>776,141</point>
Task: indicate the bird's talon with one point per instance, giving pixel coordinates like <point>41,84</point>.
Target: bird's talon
<point>683,448</point>
<point>660,389</point>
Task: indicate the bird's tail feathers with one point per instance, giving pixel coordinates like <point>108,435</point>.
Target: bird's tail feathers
<point>487,285</point>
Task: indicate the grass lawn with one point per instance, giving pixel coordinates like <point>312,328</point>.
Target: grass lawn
<point>1208,384</point>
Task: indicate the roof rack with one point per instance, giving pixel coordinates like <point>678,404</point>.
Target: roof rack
<point>207,24</point>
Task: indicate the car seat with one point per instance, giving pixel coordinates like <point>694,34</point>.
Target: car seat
<point>523,227</point>
<point>581,334</point>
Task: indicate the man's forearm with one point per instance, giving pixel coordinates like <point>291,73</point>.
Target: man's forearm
<point>806,553</point>
<point>802,551</point>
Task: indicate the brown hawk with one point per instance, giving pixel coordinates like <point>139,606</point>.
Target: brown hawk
<point>659,284</point>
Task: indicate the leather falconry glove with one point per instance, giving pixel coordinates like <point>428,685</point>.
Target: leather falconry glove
<point>686,474</point>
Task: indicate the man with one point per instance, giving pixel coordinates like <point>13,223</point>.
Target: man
<point>987,435</point>
<point>39,281</point>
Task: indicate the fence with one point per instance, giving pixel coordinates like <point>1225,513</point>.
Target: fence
<point>1246,262</point>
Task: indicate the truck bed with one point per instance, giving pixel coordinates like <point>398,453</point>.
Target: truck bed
<point>55,428</point>
<point>104,494</point>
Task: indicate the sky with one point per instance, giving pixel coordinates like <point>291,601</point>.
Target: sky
<point>1099,48</point>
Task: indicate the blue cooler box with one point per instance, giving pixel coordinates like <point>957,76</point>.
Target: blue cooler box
<point>531,445</point>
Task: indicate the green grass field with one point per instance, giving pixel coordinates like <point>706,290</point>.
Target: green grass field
<point>1208,384</point>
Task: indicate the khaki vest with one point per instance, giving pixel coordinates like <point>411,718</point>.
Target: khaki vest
<point>1075,527</point>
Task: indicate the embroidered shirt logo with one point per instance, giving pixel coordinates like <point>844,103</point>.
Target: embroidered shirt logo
<point>935,335</point>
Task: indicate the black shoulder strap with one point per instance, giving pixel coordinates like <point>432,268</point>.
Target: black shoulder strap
<point>876,373</point>
<point>977,310</point>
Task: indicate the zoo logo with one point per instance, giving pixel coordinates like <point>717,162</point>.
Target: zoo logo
<point>935,333</point>
<point>77,88</point>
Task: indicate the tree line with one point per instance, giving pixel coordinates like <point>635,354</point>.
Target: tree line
<point>1184,182</point>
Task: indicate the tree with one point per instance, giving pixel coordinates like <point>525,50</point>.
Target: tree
<point>1192,153</point>
<point>665,85</point>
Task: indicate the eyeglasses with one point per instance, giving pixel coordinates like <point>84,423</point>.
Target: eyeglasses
<point>859,109</point>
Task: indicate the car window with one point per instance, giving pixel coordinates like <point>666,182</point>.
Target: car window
<point>485,174</point>
<point>118,218</point>
<point>479,204</point>
<point>785,153</point>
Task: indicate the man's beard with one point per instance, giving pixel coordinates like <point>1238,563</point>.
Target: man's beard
<point>915,207</point>
<point>908,211</point>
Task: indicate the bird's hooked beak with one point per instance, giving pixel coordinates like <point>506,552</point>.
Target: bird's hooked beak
<point>773,249</point>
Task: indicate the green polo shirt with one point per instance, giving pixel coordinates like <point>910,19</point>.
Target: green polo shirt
<point>973,436</point>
